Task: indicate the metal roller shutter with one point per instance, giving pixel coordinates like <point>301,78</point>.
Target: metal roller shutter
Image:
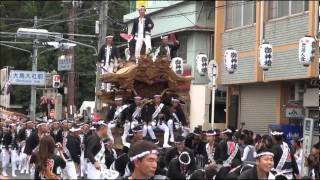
<point>258,105</point>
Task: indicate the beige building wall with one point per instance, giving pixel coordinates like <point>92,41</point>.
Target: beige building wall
<point>200,97</point>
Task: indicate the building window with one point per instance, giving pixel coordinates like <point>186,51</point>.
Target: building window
<point>279,9</point>
<point>240,13</point>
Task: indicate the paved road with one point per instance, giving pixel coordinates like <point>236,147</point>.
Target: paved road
<point>19,176</point>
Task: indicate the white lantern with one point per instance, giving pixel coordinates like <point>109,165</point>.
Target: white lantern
<point>266,55</point>
<point>231,60</point>
<point>177,65</point>
<point>202,64</point>
<point>307,47</point>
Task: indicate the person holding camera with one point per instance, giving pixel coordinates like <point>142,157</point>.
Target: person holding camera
<point>46,160</point>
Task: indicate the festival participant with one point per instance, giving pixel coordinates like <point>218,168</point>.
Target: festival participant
<point>298,153</point>
<point>56,132</point>
<point>313,161</point>
<point>10,150</point>
<point>32,143</point>
<point>133,118</point>
<point>177,118</point>
<point>284,161</point>
<point>177,150</point>
<point>22,137</point>
<point>212,144</point>
<point>116,114</point>
<point>156,115</point>
<point>108,59</point>
<point>144,155</point>
<point>228,150</point>
<point>72,154</point>
<point>196,142</point>
<point>262,169</point>
<point>166,48</point>
<point>141,30</point>
<point>95,150</point>
<point>83,160</point>
<point>110,153</point>
<point>181,167</point>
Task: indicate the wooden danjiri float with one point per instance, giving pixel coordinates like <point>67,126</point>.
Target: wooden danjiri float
<point>146,79</point>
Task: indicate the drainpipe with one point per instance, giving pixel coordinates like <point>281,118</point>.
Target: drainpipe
<point>262,29</point>
<point>316,14</point>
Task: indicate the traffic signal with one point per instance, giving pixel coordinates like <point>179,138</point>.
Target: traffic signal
<point>56,81</point>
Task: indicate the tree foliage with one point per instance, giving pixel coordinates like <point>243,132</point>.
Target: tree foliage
<point>53,16</point>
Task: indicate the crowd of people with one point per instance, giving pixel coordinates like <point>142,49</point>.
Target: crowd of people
<point>65,150</point>
<point>73,149</point>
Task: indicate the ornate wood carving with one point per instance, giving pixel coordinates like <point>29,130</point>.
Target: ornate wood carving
<point>146,79</point>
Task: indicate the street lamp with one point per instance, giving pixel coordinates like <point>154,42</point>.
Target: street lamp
<point>212,74</point>
<point>34,34</point>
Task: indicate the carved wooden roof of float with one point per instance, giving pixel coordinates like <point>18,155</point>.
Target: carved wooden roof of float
<point>145,78</point>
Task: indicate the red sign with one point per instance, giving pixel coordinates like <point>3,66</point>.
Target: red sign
<point>56,78</point>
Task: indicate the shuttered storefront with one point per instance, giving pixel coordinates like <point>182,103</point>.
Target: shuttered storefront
<point>258,105</point>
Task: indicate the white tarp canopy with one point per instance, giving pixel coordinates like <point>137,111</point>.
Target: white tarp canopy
<point>86,104</point>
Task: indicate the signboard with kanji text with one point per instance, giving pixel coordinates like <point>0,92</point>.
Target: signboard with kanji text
<point>29,78</point>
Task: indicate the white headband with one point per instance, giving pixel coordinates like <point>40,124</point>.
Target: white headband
<point>211,134</point>
<point>174,99</point>
<point>189,159</point>
<point>227,131</point>
<point>118,99</point>
<point>74,129</point>
<point>264,153</point>
<point>143,154</point>
<point>137,130</point>
<point>41,124</point>
<point>276,133</point>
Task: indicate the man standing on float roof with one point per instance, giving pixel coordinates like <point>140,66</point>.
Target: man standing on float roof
<point>108,57</point>
<point>141,30</point>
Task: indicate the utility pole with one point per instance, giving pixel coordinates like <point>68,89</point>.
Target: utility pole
<point>70,52</point>
<point>34,68</point>
<point>103,23</point>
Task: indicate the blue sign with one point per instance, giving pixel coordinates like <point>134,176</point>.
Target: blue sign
<point>289,131</point>
<point>64,63</point>
<point>33,78</point>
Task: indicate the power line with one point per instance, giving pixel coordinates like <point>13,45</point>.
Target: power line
<point>44,20</point>
<point>62,21</point>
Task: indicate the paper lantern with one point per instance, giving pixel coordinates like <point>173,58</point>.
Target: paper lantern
<point>231,60</point>
<point>307,46</point>
<point>266,55</point>
<point>202,64</point>
<point>177,65</point>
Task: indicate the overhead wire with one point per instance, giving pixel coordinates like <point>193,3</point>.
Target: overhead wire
<point>45,19</point>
